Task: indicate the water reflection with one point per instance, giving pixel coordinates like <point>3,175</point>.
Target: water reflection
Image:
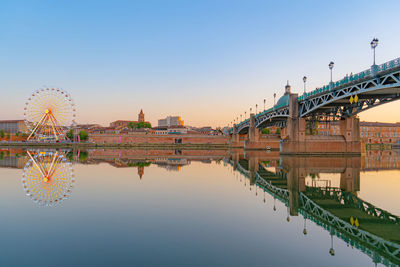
<point>48,177</point>
<point>339,210</point>
<point>301,184</point>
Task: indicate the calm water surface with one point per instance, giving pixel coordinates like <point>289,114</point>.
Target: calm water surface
<point>192,208</point>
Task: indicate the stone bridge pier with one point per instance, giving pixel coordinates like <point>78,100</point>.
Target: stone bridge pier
<point>296,142</point>
<point>295,184</point>
<point>253,168</point>
<point>256,141</point>
<point>350,180</point>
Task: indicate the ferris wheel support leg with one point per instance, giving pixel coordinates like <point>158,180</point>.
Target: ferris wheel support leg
<point>52,126</point>
<point>34,162</point>
<point>50,173</point>
<point>58,127</point>
<point>56,124</point>
<point>34,130</point>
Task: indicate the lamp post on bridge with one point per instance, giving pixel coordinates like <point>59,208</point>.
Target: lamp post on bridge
<point>332,250</point>
<point>264,103</point>
<point>250,111</point>
<point>240,117</point>
<point>331,64</point>
<point>256,108</point>
<point>374,44</point>
<point>305,80</point>
<point>245,115</point>
<point>274,98</point>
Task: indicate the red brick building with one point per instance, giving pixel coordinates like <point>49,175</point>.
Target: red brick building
<point>370,132</point>
<point>121,124</point>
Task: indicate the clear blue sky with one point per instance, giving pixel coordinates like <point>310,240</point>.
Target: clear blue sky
<point>207,61</point>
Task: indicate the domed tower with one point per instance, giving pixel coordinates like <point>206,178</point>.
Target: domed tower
<point>141,116</point>
<point>287,88</point>
<point>284,100</point>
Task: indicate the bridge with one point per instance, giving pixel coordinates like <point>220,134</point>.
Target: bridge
<point>341,101</point>
<point>338,210</point>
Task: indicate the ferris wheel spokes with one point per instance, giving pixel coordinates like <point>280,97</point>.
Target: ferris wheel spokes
<point>49,113</point>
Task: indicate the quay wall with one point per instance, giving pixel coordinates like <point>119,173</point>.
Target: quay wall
<point>158,139</point>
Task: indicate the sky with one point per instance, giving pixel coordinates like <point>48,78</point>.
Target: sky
<point>206,61</point>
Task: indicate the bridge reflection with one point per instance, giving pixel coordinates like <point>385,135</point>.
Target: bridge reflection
<point>339,210</point>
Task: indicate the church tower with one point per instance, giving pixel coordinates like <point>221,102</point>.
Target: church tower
<point>141,116</point>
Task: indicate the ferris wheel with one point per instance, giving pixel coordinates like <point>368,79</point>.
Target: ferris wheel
<point>48,178</point>
<point>49,113</point>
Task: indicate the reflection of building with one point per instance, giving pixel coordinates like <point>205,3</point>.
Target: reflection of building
<point>12,161</point>
<point>170,121</point>
<point>140,171</point>
<point>171,164</point>
<point>13,126</point>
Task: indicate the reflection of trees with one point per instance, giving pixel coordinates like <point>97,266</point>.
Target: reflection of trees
<point>139,164</point>
<point>313,175</point>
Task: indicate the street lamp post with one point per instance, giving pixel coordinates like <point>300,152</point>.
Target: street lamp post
<point>304,80</point>
<point>256,108</point>
<point>250,111</point>
<point>264,103</point>
<point>245,115</point>
<point>331,64</point>
<point>374,44</point>
<point>274,98</point>
<point>332,250</point>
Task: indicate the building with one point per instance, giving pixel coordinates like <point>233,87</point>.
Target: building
<point>141,116</point>
<point>87,127</point>
<point>163,130</point>
<point>178,129</point>
<point>370,132</point>
<point>160,130</point>
<point>134,131</point>
<point>170,121</point>
<point>13,126</point>
<point>380,132</point>
<point>105,130</point>
<point>121,124</point>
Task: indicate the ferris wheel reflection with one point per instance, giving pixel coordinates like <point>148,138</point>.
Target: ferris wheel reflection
<point>48,177</point>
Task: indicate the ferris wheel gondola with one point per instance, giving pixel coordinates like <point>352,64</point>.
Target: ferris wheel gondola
<point>49,113</point>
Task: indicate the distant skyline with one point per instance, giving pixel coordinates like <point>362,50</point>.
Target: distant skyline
<point>206,61</point>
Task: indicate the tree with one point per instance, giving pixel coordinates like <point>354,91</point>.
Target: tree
<point>83,135</point>
<point>2,134</point>
<point>138,125</point>
<point>132,125</point>
<point>17,134</point>
<point>278,131</point>
<point>70,134</point>
<point>83,155</point>
<point>312,126</point>
<point>266,131</point>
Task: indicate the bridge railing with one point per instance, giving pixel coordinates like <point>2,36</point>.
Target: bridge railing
<point>350,79</point>
<point>345,81</point>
